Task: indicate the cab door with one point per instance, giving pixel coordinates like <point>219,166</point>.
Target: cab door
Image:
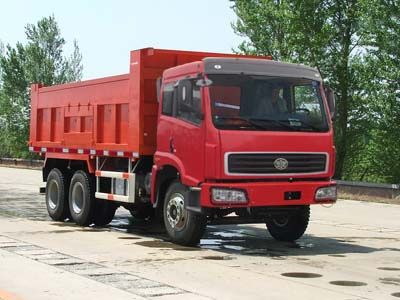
<point>184,129</point>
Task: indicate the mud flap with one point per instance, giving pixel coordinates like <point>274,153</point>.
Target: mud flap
<point>192,201</point>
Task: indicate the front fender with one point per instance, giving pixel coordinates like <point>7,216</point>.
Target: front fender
<point>161,160</point>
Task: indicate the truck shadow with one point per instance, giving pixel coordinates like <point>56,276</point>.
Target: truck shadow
<point>230,239</point>
<point>251,241</point>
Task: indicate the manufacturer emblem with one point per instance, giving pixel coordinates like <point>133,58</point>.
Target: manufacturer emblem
<point>281,163</point>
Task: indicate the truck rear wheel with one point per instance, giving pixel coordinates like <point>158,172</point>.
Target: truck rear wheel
<point>81,198</point>
<point>289,227</point>
<point>104,212</point>
<point>57,195</point>
<point>184,227</point>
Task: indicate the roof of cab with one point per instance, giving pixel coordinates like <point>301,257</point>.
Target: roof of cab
<point>253,66</point>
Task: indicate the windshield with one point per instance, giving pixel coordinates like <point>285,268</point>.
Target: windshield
<point>245,102</point>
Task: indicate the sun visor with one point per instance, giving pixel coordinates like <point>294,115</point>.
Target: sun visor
<point>259,67</point>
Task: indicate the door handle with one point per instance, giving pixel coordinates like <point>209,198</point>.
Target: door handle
<point>171,145</point>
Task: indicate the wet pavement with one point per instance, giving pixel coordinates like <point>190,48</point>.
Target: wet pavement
<point>351,251</point>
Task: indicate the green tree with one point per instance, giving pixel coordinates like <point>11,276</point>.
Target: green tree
<point>379,81</point>
<point>40,60</point>
<point>339,38</point>
<point>1,55</point>
<point>14,105</point>
<point>2,120</point>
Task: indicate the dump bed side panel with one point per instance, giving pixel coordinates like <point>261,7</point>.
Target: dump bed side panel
<point>113,114</point>
<point>87,115</point>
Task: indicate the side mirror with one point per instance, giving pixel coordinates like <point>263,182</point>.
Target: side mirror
<point>185,95</point>
<point>330,97</point>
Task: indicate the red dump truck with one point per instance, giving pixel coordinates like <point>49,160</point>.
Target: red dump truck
<point>195,138</point>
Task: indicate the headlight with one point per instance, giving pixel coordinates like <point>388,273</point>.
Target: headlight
<point>327,193</point>
<point>228,196</point>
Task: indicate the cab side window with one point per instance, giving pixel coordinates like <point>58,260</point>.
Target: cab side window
<point>189,102</point>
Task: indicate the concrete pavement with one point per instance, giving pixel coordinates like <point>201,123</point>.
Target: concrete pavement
<point>350,251</point>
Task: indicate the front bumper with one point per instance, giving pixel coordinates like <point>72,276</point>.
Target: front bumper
<point>268,193</point>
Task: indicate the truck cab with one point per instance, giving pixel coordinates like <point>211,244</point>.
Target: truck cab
<point>248,138</point>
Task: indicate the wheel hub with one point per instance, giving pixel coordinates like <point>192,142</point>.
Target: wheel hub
<point>176,212</point>
<point>77,197</point>
<point>52,196</point>
<point>281,221</point>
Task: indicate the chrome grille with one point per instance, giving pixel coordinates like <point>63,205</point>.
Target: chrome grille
<point>263,163</point>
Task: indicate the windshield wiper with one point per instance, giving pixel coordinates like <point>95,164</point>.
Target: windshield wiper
<point>303,124</point>
<point>277,122</point>
<point>257,122</point>
<point>309,125</point>
<point>249,122</point>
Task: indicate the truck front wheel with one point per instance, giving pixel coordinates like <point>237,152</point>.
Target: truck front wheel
<point>81,198</point>
<point>289,227</point>
<point>184,227</point>
<point>57,185</point>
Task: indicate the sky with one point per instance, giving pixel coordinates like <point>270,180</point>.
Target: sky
<point>107,30</point>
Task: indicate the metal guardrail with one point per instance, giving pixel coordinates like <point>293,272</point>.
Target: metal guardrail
<point>21,163</point>
<point>380,190</point>
<point>368,184</point>
<point>356,188</point>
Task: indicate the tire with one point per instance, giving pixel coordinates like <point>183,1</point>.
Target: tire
<point>184,227</point>
<point>104,212</point>
<point>81,198</point>
<point>289,227</point>
<point>57,186</point>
